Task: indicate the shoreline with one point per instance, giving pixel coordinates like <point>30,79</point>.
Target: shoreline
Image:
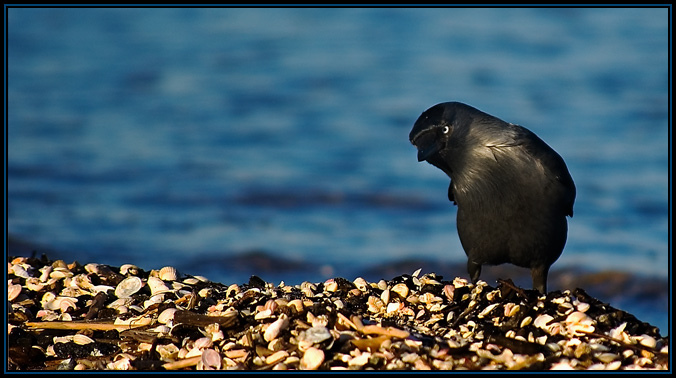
<point>647,297</point>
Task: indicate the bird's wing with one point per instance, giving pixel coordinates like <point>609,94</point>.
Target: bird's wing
<point>451,197</point>
<point>552,163</point>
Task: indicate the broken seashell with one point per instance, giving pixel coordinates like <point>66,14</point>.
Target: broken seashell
<point>542,320</point>
<point>13,291</point>
<point>59,273</point>
<point>60,303</point>
<point>98,269</point>
<point>202,343</point>
<point>578,317</point>
<point>582,307</point>
<point>526,321</point>
<point>167,352</point>
<point>128,268</point>
<point>385,296</point>
<point>19,271</point>
<point>330,285</point>
<point>394,307</point>
<point>401,290</point>
<point>34,284</point>
<point>45,272</point>
<point>578,323</point>
<point>511,309</point>
<point>487,310</point>
<point>607,357</point>
<point>166,316</point>
<point>276,357</point>
<point>211,360</point>
<point>312,359</point>
<point>648,341</point>
<point>81,339</point>
<point>315,335</point>
<point>363,359</point>
<point>361,284</point>
<point>276,327</point>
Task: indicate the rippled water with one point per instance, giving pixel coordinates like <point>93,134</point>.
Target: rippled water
<point>187,136</point>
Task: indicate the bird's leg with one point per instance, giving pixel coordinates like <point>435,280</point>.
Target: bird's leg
<point>474,270</point>
<point>539,274</point>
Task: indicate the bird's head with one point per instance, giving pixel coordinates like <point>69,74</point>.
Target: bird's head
<point>438,127</point>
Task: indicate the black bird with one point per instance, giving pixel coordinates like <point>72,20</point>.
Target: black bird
<point>512,190</point>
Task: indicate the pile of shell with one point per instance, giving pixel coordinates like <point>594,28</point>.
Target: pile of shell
<point>95,317</point>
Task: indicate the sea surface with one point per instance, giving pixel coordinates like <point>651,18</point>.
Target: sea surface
<point>228,142</point>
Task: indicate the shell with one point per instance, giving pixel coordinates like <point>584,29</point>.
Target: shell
<point>316,335</point>
<point>191,281</point>
<point>275,328</point>
<point>487,310</point>
<point>331,285</point>
<point>161,329</point>
<point>81,339</point>
<point>19,271</point>
<point>155,299</point>
<point>583,307</point>
<point>579,323</point>
<point>120,364</point>
<point>62,339</point>
<point>61,303</point>
<point>648,341</point>
<point>361,284</point>
<point>276,357</point>
<point>618,332</point>
<point>578,317</point>
<point>296,304</point>
<point>97,269</point>
<point>449,292</point>
<point>168,273</point>
<point>401,290</point>
<point>45,272</point>
<point>511,309</point>
<point>13,292</point>
<point>385,296</point>
<point>312,359</point>
<point>607,357</point>
<point>203,343</point>
<point>82,281</point>
<point>59,273</point>
<point>393,307</point>
<point>128,269</point>
<point>363,359</point>
<point>157,286</point>
<point>167,352</point>
<point>211,360</point>
<point>542,321</point>
<point>306,326</point>
<point>101,288</point>
<point>166,316</point>
<point>128,287</point>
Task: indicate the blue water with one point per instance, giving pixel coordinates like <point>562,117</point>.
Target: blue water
<point>169,136</point>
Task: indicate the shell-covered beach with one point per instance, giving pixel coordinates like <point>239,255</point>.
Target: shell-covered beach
<point>69,316</point>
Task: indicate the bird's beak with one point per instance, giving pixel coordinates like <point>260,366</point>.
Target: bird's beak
<point>427,146</point>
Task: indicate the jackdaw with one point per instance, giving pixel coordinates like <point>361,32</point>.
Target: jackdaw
<point>512,190</point>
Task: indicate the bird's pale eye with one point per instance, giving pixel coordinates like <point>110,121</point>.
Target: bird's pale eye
<point>446,129</point>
